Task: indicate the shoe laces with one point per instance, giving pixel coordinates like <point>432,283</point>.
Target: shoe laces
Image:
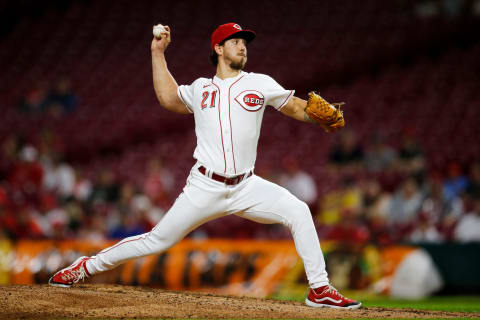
<point>75,275</point>
<point>331,289</point>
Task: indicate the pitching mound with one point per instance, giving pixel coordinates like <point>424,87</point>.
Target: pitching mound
<point>114,301</point>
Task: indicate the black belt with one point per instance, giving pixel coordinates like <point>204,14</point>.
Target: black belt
<point>228,181</point>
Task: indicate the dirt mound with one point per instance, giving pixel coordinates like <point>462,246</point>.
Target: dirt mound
<point>115,301</point>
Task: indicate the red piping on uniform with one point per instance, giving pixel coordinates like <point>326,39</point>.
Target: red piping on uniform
<point>230,118</point>
<point>281,106</point>
<point>221,130</point>
<point>119,244</point>
<point>183,100</point>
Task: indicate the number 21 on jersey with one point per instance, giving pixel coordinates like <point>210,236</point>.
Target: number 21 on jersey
<point>206,100</point>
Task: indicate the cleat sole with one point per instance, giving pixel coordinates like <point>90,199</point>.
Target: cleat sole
<point>320,305</point>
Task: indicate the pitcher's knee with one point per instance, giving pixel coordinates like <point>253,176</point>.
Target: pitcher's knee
<point>305,209</point>
<point>294,210</point>
<point>161,242</point>
<point>302,213</point>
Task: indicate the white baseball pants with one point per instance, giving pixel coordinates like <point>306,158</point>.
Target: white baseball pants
<point>204,199</point>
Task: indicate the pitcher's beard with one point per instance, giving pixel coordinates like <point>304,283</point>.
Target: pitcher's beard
<point>239,65</point>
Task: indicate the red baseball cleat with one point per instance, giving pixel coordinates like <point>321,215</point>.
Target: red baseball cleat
<point>71,274</point>
<point>329,297</point>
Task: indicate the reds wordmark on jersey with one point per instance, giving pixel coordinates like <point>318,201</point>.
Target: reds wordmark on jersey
<point>228,116</point>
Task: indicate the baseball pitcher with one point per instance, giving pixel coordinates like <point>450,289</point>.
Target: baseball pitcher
<point>228,110</point>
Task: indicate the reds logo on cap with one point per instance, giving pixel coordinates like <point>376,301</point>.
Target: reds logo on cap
<point>250,100</point>
<point>228,30</point>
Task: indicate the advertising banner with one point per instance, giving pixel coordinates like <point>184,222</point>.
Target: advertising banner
<point>238,267</point>
<point>230,267</point>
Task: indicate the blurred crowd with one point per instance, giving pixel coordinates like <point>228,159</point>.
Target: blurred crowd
<point>44,196</point>
<point>383,194</point>
<point>447,8</point>
<point>379,190</point>
<point>389,195</point>
<point>56,100</point>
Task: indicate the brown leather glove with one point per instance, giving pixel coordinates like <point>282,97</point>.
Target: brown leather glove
<point>329,116</point>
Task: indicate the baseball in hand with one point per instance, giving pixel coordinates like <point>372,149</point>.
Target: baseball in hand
<point>158,30</point>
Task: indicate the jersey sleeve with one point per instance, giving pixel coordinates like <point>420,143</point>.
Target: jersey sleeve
<point>275,94</point>
<point>186,94</point>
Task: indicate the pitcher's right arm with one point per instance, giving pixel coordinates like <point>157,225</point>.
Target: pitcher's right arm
<point>163,82</point>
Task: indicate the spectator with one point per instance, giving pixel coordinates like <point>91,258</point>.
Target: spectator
<point>411,158</point>
<point>127,193</point>
<point>36,223</point>
<point>379,156</point>
<point>58,221</point>
<point>9,222</point>
<point>298,182</point>
<point>437,211</point>
<point>348,198</point>
<point>405,204</point>
<point>410,150</point>
<point>376,202</point>
<point>36,100</point>
<point>82,189</point>
<point>106,189</point>
<point>61,99</point>
<point>76,215</point>
<point>454,211</point>
<point>375,210</point>
<point>425,230</point>
<point>94,229</point>
<point>131,225</point>
<point>59,176</point>
<point>468,228</point>
<point>473,188</point>
<point>351,229</point>
<point>150,215</point>
<point>9,154</point>
<point>27,173</point>
<point>347,154</point>
<point>456,182</point>
<point>158,183</point>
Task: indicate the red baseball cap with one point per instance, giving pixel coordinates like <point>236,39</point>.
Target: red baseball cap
<point>227,30</point>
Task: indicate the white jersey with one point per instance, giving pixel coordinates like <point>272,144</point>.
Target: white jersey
<point>228,116</point>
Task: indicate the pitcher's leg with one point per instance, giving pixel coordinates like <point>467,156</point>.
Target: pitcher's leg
<point>182,218</point>
<point>266,202</point>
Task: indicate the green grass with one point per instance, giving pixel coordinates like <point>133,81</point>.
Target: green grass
<point>443,303</point>
<point>440,303</point>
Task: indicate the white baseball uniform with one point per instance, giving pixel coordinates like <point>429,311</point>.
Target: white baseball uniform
<point>228,115</point>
